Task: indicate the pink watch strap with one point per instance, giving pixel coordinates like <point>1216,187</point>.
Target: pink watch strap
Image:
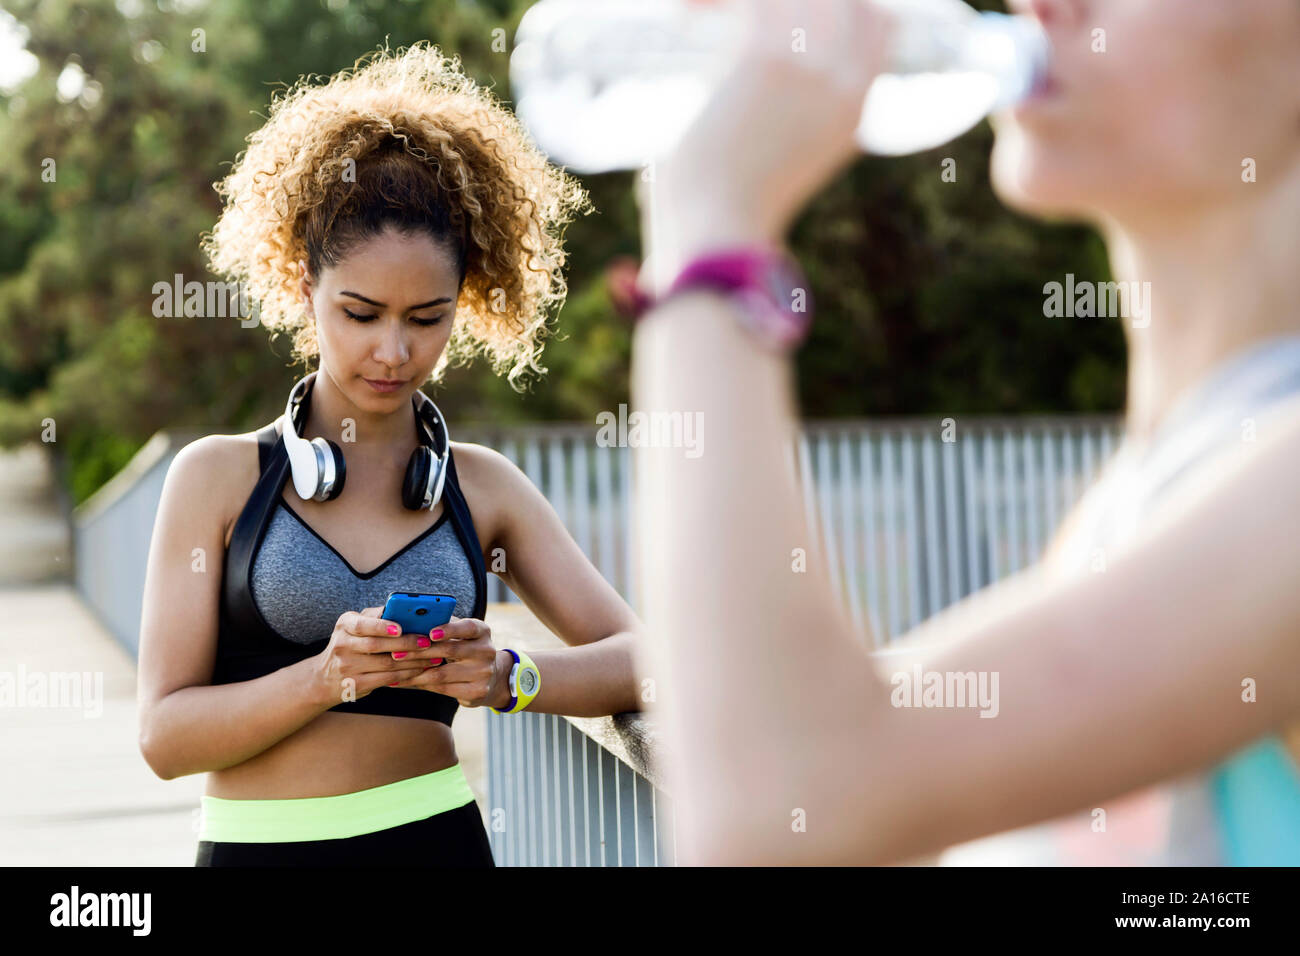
<point>761,279</point>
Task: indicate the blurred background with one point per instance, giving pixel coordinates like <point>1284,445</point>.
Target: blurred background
<point>114,127</point>
<point>929,293</point>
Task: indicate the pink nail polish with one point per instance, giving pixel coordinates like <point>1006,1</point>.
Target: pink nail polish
<point>392,629</point>
<point>423,642</point>
<point>393,684</point>
<point>399,654</point>
<point>436,634</point>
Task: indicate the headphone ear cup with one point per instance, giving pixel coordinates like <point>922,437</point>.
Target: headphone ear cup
<point>416,481</point>
<point>340,470</point>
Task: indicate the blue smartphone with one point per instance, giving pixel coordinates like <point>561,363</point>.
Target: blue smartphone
<point>418,613</point>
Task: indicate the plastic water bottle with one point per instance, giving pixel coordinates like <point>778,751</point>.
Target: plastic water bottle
<point>612,84</point>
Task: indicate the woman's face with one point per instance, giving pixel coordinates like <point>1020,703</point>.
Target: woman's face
<point>384,313</point>
<point>1158,112</point>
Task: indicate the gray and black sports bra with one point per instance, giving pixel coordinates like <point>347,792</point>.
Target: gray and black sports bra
<point>284,586</point>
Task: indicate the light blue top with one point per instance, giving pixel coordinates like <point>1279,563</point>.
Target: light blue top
<point>1257,806</point>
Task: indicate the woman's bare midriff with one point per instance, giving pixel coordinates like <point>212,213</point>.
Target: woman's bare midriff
<point>338,753</point>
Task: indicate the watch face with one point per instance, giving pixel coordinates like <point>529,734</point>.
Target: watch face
<point>528,681</point>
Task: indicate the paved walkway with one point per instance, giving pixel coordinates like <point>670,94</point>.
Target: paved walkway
<point>77,790</point>
<point>35,537</point>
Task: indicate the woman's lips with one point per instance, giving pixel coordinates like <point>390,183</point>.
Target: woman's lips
<point>1046,87</point>
<point>1045,92</point>
<point>379,385</point>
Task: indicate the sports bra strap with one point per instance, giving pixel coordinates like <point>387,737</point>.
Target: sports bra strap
<point>454,498</point>
<point>267,436</point>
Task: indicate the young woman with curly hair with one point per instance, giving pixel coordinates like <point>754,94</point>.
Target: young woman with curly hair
<point>392,219</point>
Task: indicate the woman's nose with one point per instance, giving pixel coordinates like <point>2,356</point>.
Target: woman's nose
<point>392,350</point>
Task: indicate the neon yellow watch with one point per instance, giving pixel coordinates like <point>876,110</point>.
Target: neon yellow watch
<point>525,682</point>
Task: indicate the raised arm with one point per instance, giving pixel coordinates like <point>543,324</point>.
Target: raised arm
<point>1105,683</point>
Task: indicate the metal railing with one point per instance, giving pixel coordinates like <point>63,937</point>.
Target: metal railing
<point>558,798</point>
<point>913,514</point>
<point>111,532</point>
<point>913,522</point>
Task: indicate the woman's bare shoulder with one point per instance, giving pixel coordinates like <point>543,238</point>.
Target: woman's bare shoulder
<point>222,471</point>
<point>471,456</point>
<point>485,480</point>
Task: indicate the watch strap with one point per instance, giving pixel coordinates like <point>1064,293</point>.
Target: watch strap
<point>760,279</point>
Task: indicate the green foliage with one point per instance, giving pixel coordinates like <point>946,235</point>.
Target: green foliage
<point>93,458</point>
<point>929,297</point>
<point>929,294</point>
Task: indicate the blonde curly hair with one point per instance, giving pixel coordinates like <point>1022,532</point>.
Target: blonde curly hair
<point>405,140</point>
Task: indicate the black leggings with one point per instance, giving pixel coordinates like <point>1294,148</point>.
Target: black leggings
<point>453,838</point>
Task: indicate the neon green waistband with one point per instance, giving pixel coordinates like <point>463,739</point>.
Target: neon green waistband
<point>336,817</point>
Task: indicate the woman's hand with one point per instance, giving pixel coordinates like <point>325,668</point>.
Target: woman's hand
<point>359,657</point>
<point>470,668</point>
<point>779,126</point>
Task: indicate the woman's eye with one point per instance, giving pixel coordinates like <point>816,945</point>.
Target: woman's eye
<point>367,318</point>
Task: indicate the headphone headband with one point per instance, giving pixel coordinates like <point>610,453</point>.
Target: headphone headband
<point>427,412</point>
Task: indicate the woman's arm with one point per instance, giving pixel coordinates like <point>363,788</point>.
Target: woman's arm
<point>596,675</point>
<point>1105,683</point>
<point>782,743</point>
<point>187,726</point>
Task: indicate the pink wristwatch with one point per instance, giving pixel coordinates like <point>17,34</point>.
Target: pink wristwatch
<point>776,303</point>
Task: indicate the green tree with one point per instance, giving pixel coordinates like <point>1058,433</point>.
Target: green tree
<point>928,293</point>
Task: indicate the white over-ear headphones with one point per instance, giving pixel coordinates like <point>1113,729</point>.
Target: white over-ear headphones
<point>319,470</point>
